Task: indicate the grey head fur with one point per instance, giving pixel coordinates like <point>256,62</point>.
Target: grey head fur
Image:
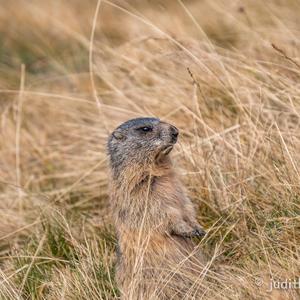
<point>139,141</point>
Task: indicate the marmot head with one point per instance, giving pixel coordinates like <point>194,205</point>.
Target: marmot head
<point>142,141</point>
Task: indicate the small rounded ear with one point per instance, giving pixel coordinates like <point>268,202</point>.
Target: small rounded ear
<point>118,135</point>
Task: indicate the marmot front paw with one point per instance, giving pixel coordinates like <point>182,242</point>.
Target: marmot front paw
<point>194,233</point>
<point>188,231</point>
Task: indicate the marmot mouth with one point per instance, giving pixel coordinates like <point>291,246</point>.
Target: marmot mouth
<point>167,150</point>
<point>164,152</point>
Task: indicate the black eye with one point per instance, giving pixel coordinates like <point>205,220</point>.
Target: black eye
<point>145,129</point>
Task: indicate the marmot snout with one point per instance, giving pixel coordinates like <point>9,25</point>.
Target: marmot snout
<point>154,218</point>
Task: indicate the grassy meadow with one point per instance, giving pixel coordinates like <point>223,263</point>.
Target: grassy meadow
<point>226,73</point>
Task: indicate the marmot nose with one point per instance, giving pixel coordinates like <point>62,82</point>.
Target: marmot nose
<point>174,132</point>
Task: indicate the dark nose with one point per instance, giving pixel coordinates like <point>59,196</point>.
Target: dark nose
<point>174,133</point>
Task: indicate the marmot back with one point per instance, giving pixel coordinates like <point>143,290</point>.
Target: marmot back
<point>154,218</point>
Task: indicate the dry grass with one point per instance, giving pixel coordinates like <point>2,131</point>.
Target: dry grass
<point>207,66</point>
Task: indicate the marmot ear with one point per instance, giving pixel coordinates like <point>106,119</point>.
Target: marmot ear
<point>118,135</point>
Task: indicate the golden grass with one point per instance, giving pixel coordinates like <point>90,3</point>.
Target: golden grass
<point>70,73</point>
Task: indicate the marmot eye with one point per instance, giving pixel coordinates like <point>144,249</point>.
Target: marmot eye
<point>145,129</point>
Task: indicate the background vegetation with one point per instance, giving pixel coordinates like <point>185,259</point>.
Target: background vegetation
<point>226,73</point>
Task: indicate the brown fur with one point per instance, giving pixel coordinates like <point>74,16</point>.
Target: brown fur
<point>155,222</point>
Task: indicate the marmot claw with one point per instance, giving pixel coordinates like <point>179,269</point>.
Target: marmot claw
<point>198,233</point>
